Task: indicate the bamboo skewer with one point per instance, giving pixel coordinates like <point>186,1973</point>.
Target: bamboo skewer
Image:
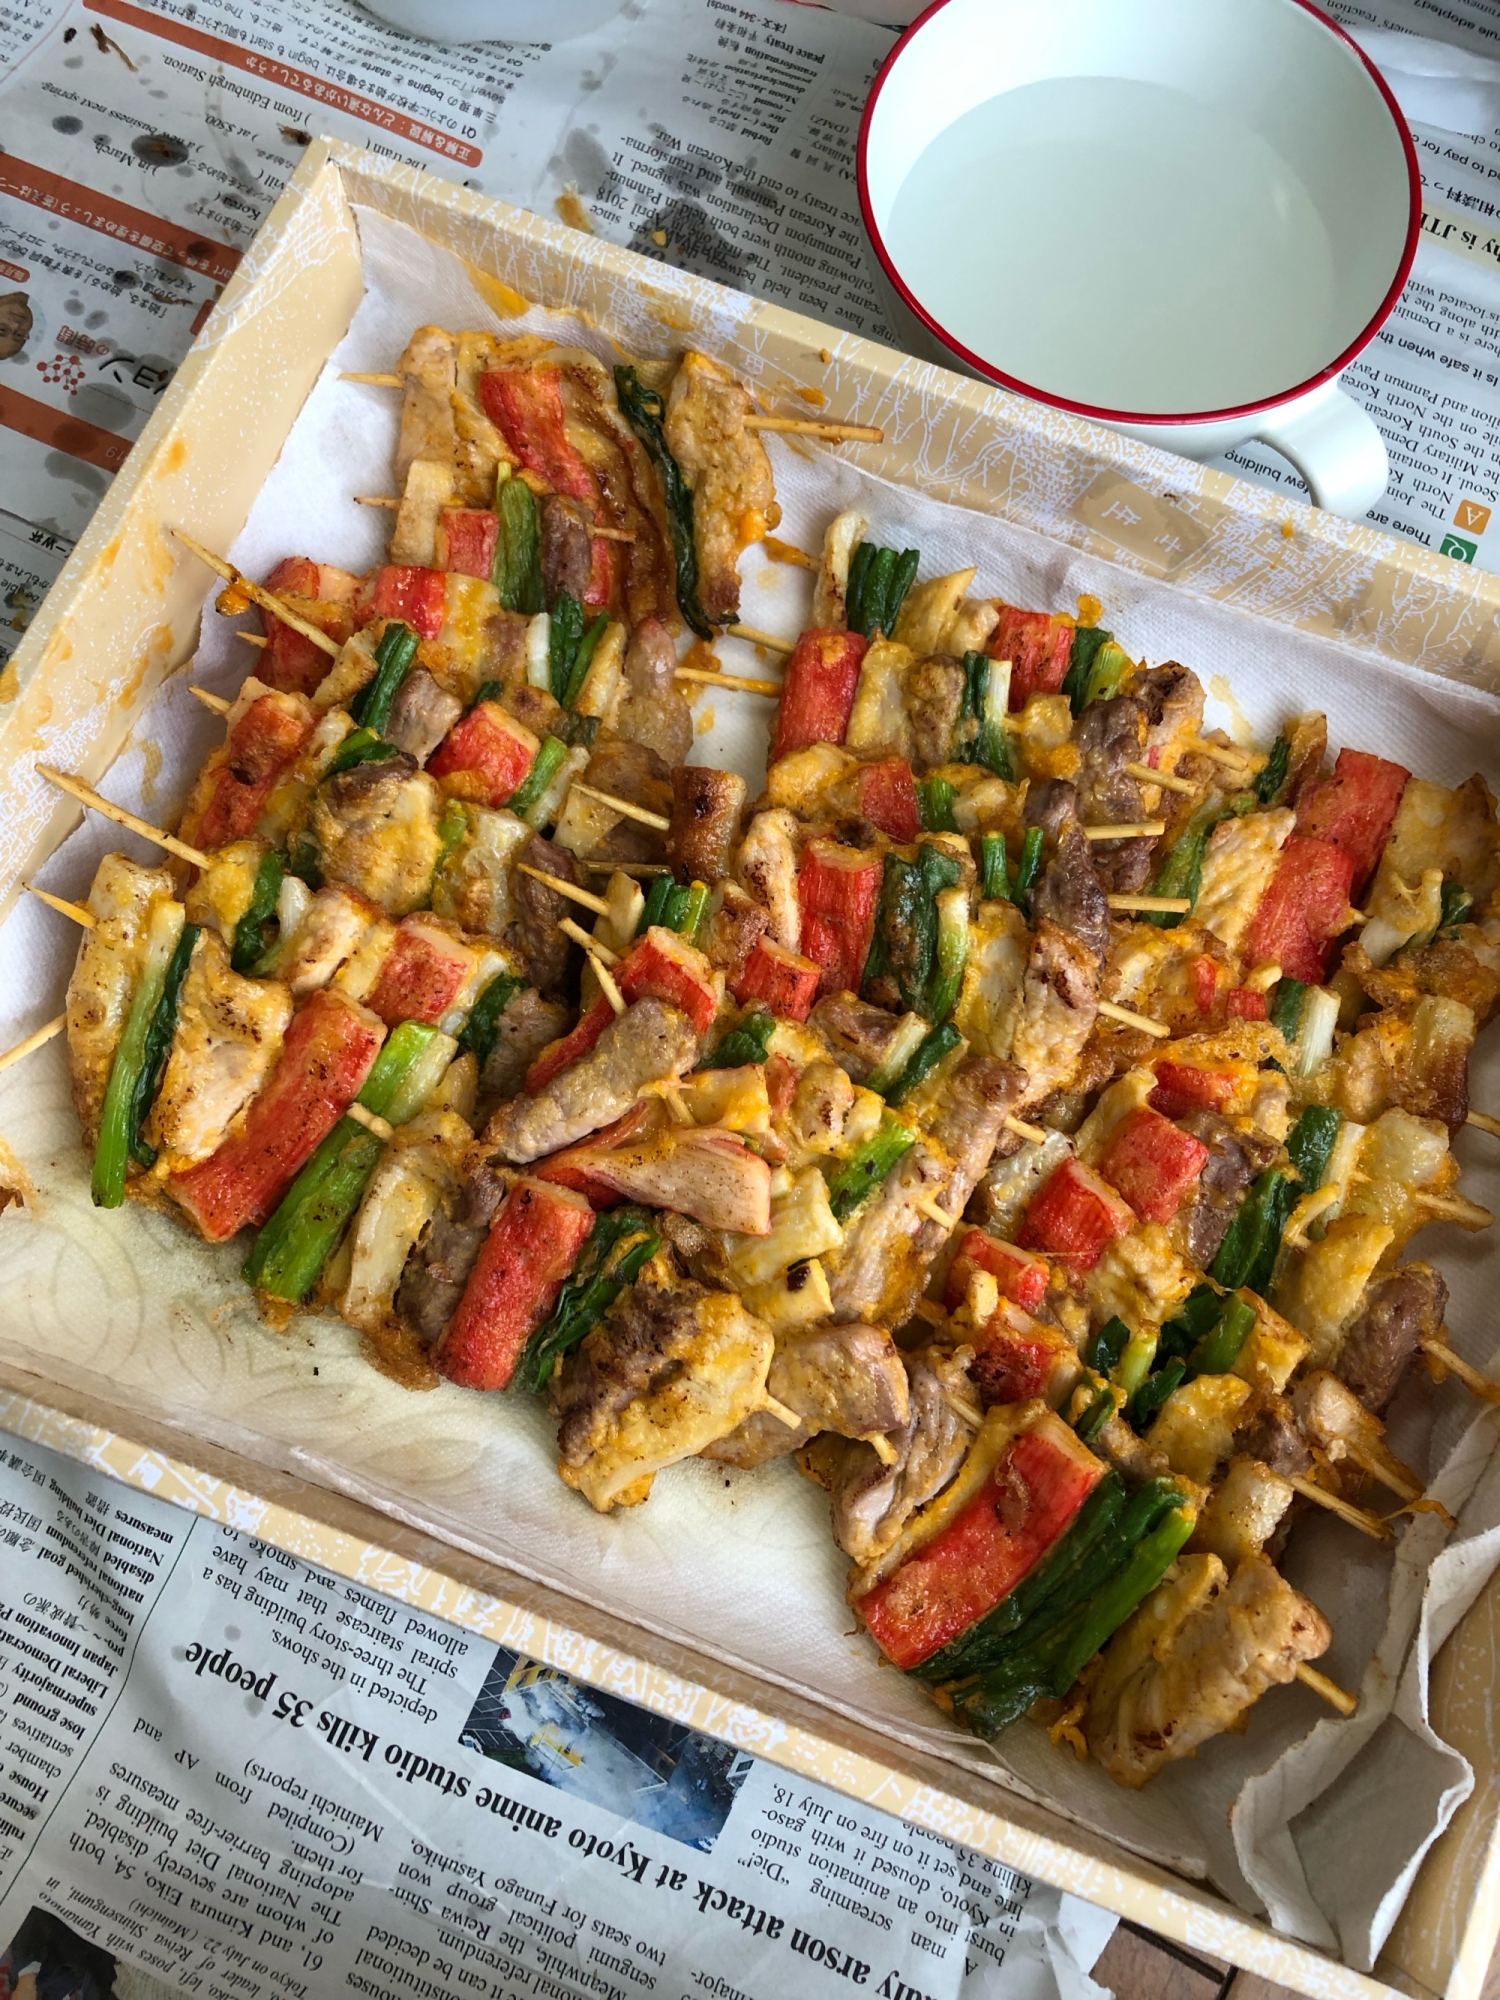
<point>371,1120</point>
<point>1357,1517</point>
<point>606,980</point>
<point>1127,1019</point>
<point>758,638</point>
<point>377,500</point>
<point>214,701</point>
<point>35,1041</point>
<point>387,381</point>
<point>1037,1134</point>
<point>1171,905</point>
<point>928,1207</point>
<point>76,911</point>
<point>1130,829</point>
<point>701,674</point>
<point>596,533</point>
<point>623,806</point>
<point>1220,753</point>
<point>569,889</point>
<point>1469,1213</point>
<point>1447,1362</point>
<point>257,595</point>
<point>1484,1123</point>
<point>1382,1467</point>
<point>1166,779</point>
<point>781,1413</point>
<point>882,1447</point>
<point>590,944</point>
<point>253,638</point>
<point>1332,1693</point>
<point>86,795</point>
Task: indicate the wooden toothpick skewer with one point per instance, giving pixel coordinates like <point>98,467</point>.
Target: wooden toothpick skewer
<point>1170,905</point>
<point>1332,1693</point>
<point>1357,1517</point>
<point>758,638</point>
<point>624,807</point>
<point>1447,1361</point>
<point>928,1207</point>
<point>86,795</point>
<point>266,599</point>
<point>1132,829</point>
<point>606,981</point>
<point>371,1120</point>
<point>1037,1134</point>
<point>1469,1213</point>
<point>1484,1123</point>
<point>1165,779</point>
<point>1128,1020</point>
<point>393,500</point>
<point>214,701</point>
<point>772,688</point>
<point>1384,1469</point>
<point>882,1447</point>
<point>43,1034</point>
<point>253,638</point>
<point>569,889</point>
<point>781,1413</point>
<point>377,500</point>
<point>590,944</point>
<point>76,911</point>
<point>800,426</point>
<point>1220,753</point>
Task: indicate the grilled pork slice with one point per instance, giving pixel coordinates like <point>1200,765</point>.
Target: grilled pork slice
<point>1068,892</point>
<point>889,1247</point>
<point>767,866</point>
<point>445,1250</point>
<point>1199,1653</point>
<point>734,494</point>
<point>648,1042</point>
<point>419,1169</point>
<point>229,1032</point>
<point>1059,1006</point>
<point>873,1500</point>
<point>708,1174</point>
<point>104,977</point>
<point>528,1024</point>
<point>1235,1157</point>
<point>441,418</point>
<point>332,929</point>
<point>1399,1313</point>
<point>537,910</point>
<point>653,712</point>
<point>1108,736</point>
<point>858,1035</point>
<point>706,808</point>
<point>670,1369</point>
<point>421,715</point>
<point>377,830</point>
<point>845,1379</point>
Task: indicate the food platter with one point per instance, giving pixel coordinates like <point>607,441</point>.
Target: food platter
<point>161,1235</point>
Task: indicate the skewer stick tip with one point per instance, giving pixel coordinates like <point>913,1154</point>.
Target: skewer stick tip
<point>758,638</point>
<point>624,807</point>
<point>86,795</point>
<point>590,944</point>
<point>210,700</point>
<point>1037,1134</point>
<point>781,1413</point>
<point>1127,1019</point>
<point>606,981</point>
<point>34,1041</point>
<point>371,1120</point>
<point>75,911</point>
<point>1331,1692</point>
<point>569,889</point>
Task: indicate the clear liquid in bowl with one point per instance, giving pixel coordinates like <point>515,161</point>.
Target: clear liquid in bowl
<point>1119,244</point>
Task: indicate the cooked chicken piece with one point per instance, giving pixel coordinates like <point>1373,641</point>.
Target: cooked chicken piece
<point>528,1024</point>
<point>648,1042</point>
<point>1194,1658</point>
<point>671,1368</point>
<point>654,712</point>
<point>732,931</point>
<point>734,494</point>
<point>1450,835</point>
<point>437,1270</point>
<point>1387,1168</point>
<point>709,1174</point>
<point>475,887</point>
<point>331,931</point>
<point>1195,1430</point>
<point>1416,1059</point>
<point>1059,1006</point>
<point>767,865</point>
<point>1004,1193</point>
<point>1241,857</point>
<point>889,1246</point>
<point>820,1107</point>
<point>229,1032</point>
<point>1244,1510</point>
<point>857,1034</point>
<point>1332,1417</point>
<point>843,536</point>
<point>414,1176</point>
<point>441,418</point>
<point>1068,891</point>
<point>845,1379</point>
<point>567,548</point>
<point>706,808</point>
<point>879,724</point>
<point>533,933</point>
<point>929,611</point>
<point>376,828</point>
<point>989,1001</point>
<point>1235,1157</point>
<point>1308,737</point>
<point>1399,1313</point>
<point>110,958</point>
<point>1273,1438</point>
<point>1108,736</point>
<point>873,1500</point>
<point>421,715</point>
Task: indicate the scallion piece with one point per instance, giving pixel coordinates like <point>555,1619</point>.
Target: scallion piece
<point>658,901</point>
<point>517,573</point>
<point>1286,1008</point>
<point>563,639</point>
<point>371,707</point>
<point>159,1043</point>
<point>1454,907</point>
<point>1087,640</point>
<point>994,869</point>
<point>935,801</point>
<point>1141,1412</point>
<point>749,1041</point>
<point>645,411</point>
<point>1218,1350</point>
<point>911,1031</point>
<point>539,777</point>
<point>360,746</point>
<point>482,1029</point>
<point>941,1042</point>
<point>1028,870</point>
<point>619,1246</point>
<point>250,932</point>
<point>867,1167</point>
<point>952,950</point>
<point>118,1122</point>
<point>1272,775</point>
<point>578,673</point>
<point>1107,1345</point>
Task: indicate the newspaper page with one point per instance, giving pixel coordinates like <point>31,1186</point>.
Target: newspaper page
<point>241,1776</point>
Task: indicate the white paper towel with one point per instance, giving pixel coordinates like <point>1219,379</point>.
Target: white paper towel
<point>740,1565</point>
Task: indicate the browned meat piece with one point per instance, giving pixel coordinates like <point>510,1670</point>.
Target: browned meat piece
<point>1198,1654</point>
<point>857,1034</point>
<point>441,420</point>
<point>1068,892</point>
<point>845,1379</point>
<point>1171,699</point>
<point>934,695</point>
<point>377,830</point>
<point>697,1251</point>
<point>633,772</point>
<point>1462,964</point>
<point>706,808</point>
<point>642,568</point>
<point>1108,736</point>
<point>767,865</point>
<point>732,931</point>
<point>524,1030</point>
<point>670,1368</point>
<point>567,551</point>
<point>653,712</point>
<point>438,1269</point>
<point>1059,1007</point>
<point>1413,1056</point>
<point>536,708</point>
<point>734,495</point>
<point>1308,736</point>
<point>533,934</point>
<point>872,1500</point>
<point>889,1247</point>
<point>502,657</point>
<point>1276,1440</point>
<point>421,715</point>
<point>1234,1160</point>
<point>649,1041</point>
<point>1399,1313</point>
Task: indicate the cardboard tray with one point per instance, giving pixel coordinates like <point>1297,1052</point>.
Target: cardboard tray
<point>124,615</point>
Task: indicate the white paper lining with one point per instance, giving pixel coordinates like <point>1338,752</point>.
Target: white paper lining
<point>743,1565</point>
